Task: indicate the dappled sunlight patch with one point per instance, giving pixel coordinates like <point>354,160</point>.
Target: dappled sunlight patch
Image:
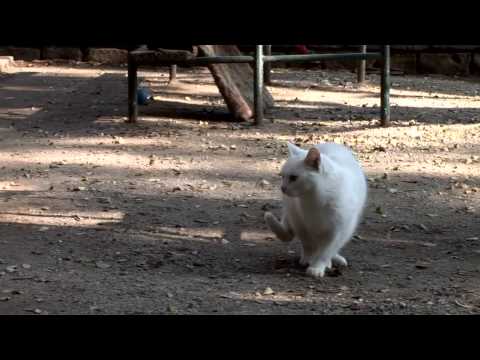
<point>177,91</point>
<point>47,218</point>
<point>18,113</point>
<point>269,295</point>
<point>182,74</point>
<point>73,72</point>
<point>314,98</point>
<point>56,158</point>
<point>186,172</point>
<point>27,88</point>
<point>110,141</point>
<point>304,106</point>
<point>208,235</point>
<point>258,236</point>
<point>16,186</point>
<point>389,240</point>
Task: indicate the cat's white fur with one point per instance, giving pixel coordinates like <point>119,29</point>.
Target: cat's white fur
<point>323,205</point>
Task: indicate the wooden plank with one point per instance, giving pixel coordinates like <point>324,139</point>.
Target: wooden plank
<point>235,82</point>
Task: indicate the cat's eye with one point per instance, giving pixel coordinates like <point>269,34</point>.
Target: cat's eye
<point>292,178</point>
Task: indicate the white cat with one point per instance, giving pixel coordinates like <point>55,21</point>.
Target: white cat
<point>324,194</point>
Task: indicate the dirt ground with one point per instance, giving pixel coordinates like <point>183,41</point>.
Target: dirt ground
<point>166,216</point>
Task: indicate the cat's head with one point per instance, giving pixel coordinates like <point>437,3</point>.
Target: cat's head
<point>300,171</point>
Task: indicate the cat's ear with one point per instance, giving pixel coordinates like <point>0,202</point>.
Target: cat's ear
<point>294,150</point>
<point>313,158</point>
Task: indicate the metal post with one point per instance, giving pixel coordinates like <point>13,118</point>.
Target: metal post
<point>268,65</point>
<point>258,85</point>
<point>132,90</point>
<point>173,73</point>
<point>385,86</point>
<point>362,65</point>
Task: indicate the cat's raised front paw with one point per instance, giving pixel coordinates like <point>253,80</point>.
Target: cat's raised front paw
<point>277,227</point>
<point>272,222</point>
<point>269,218</point>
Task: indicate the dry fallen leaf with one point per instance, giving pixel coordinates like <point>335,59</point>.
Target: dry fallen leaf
<point>263,183</point>
<point>423,227</point>
<point>102,265</point>
<point>463,305</point>
<point>422,265</point>
<point>268,291</point>
<point>11,268</point>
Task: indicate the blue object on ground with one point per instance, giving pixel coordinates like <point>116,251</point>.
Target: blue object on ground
<point>144,96</point>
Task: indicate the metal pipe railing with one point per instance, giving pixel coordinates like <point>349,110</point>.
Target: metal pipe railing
<point>262,65</point>
<point>316,57</point>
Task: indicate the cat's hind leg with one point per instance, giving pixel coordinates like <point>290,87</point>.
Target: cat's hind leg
<point>326,254</point>
<point>329,249</point>
<point>280,229</point>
